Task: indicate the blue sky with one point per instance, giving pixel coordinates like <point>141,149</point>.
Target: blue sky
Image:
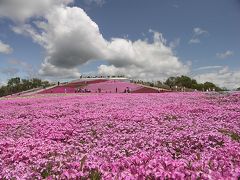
<point>177,19</point>
<point>202,35</point>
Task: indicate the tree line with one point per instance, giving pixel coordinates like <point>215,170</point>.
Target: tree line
<point>187,82</point>
<point>16,85</point>
<point>182,82</point>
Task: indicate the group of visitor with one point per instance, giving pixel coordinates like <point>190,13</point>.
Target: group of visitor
<point>80,90</point>
<point>99,90</point>
<point>92,77</point>
<point>127,90</point>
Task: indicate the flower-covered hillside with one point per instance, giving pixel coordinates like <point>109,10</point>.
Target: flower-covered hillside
<point>121,136</point>
<point>100,86</point>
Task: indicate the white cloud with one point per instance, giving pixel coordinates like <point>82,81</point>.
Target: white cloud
<point>143,60</point>
<point>24,67</point>
<point>198,31</point>
<point>208,67</point>
<point>194,41</point>
<point>50,70</point>
<point>19,63</point>
<point>72,39</point>
<point>9,71</point>
<point>225,54</point>
<point>223,77</point>
<point>20,10</point>
<point>3,82</point>
<point>5,48</point>
<point>175,43</point>
<point>97,2</point>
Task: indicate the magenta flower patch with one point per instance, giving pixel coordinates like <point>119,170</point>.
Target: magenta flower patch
<point>121,136</point>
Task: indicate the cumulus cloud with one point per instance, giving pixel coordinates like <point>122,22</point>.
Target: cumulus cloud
<point>69,36</point>
<point>20,10</point>
<point>225,54</point>
<point>72,39</point>
<point>141,59</point>
<point>5,48</point>
<point>50,70</point>
<point>223,77</point>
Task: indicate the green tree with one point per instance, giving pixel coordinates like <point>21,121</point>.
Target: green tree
<point>184,81</point>
<point>171,81</point>
<point>16,85</point>
<point>14,81</point>
<point>209,85</point>
<point>36,82</point>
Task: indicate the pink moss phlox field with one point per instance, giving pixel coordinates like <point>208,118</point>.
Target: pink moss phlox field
<point>106,86</point>
<point>60,89</point>
<point>111,85</point>
<point>121,136</point>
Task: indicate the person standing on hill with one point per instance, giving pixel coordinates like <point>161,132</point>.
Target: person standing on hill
<point>129,90</point>
<point>116,90</point>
